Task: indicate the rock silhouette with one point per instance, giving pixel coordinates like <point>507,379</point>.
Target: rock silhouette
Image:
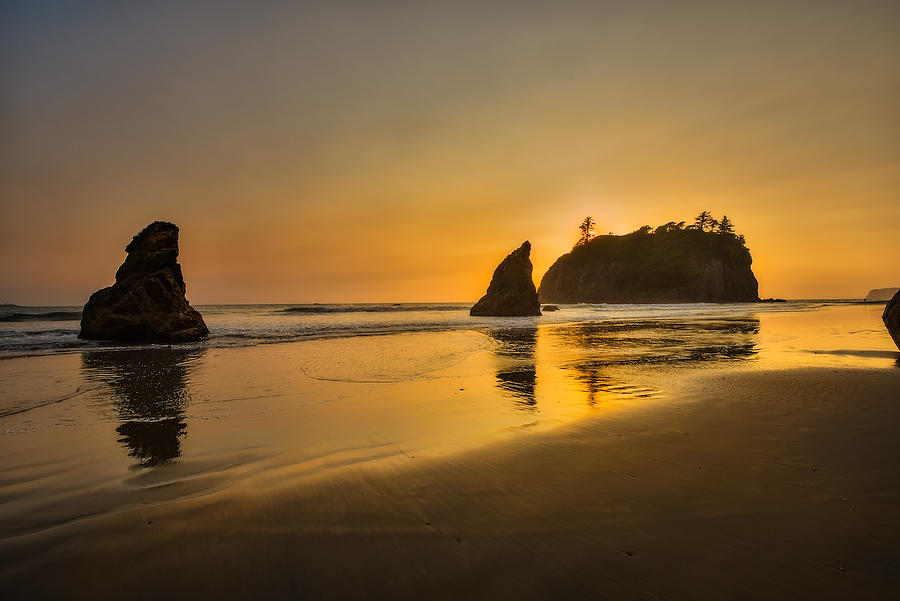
<point>891,318</point>
<point>147,303</point>
<point>674,266</point>
<point>511,291</point>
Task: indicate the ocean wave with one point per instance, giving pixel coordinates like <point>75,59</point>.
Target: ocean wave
<point>390,308</point>
<point>47,316</point>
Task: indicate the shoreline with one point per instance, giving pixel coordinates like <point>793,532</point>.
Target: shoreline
<point>736,484</point>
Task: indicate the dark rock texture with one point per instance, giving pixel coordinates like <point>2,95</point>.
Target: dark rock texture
<point>891,318</point>
<point>680,266</point>
<point>147,303</point>
<point>511,291</point>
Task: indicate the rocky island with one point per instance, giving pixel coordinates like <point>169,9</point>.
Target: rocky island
<point>511,291</point>
<point>147,302</point>
<point>705,262</point>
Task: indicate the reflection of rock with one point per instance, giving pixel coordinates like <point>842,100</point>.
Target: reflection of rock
<point>519,377</point>
<point>639,342</point>
<point>515,342</point>
<point>150,393</point>
<point>153,443</point>
<point>511,291</point>
<point>147,303</point>
<point>891,318</point>
<point>520,381</point>
<point>602,347</point>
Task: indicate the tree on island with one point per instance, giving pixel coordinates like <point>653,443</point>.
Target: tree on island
<point>726,226</point>
<point>587,231</point>
<point>670,227</point>
<point>704,221</point>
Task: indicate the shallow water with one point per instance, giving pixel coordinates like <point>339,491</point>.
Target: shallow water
<point>26,331</point>
<point>86,429</point>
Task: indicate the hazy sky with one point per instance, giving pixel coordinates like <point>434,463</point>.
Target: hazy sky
<point>397,151</point>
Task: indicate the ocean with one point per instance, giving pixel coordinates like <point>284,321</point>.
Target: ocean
<point>27,330</point>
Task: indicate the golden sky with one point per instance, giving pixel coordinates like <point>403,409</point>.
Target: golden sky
<point>354,152</point>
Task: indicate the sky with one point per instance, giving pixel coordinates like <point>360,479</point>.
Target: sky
<point>397,151</point>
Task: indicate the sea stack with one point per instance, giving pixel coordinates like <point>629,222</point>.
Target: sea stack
<point>147,303</point>
<point>512,291</point>
<point>891,318</point>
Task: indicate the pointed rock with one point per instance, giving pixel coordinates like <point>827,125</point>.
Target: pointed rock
<point>512,290</point>
<point>891,318</point>
<point>147,303</point>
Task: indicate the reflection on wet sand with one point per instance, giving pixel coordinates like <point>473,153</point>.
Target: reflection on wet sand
<point>518,377</point>
<point>599,347</point>
<point>635,343</point>
<point>591,352</point>
<point>150,393</point>
<point>520,381</point>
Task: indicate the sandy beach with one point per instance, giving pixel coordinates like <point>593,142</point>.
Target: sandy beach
<point>514,464</point>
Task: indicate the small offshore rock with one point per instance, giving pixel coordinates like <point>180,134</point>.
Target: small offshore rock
<point>147,302</point>
<point>511,291</point>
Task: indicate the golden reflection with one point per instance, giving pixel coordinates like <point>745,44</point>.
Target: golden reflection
<point>599,358</point>
<point>847,335</point>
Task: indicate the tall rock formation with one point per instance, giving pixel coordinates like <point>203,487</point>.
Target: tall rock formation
<point>147,303</point>
<point>668,266</point>
<point>511,291</point>
<point>891,318</point>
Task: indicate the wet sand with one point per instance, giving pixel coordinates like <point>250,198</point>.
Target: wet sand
<point>736,484</point>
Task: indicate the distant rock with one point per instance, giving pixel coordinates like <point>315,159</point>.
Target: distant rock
<point>147,303</point>
<point>772,300</point>
<point>666,266</point>
<point>891,318</point>
<point>881,294</point>
<point>511,291</point>
<point>549,308</point>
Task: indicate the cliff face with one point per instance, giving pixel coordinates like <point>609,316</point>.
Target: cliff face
<point>676,266</point>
